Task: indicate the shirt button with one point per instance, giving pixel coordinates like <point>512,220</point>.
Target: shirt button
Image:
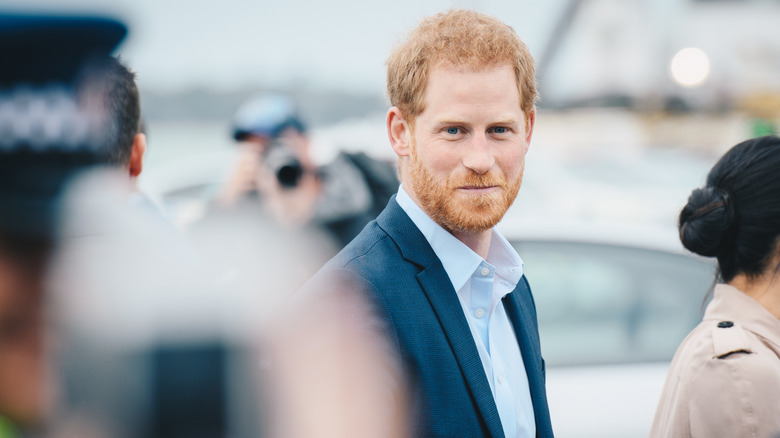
<point>479,313</point>
<point>725,324</point>
<point>485,271</point>
<point>500,378</point>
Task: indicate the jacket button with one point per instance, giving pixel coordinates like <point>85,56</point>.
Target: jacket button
<point>725,324</point>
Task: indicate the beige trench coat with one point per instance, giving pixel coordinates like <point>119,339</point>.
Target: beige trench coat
<point>724,380</point>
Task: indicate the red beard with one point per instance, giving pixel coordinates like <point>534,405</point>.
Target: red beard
<point>456,211</point>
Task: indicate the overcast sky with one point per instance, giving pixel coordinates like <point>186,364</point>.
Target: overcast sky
<point>228,44</point>
<point>612,47</point>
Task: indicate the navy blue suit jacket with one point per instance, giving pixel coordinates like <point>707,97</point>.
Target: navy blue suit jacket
<point>392,261</point>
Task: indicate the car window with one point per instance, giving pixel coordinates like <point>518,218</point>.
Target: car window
<point>602,304</point>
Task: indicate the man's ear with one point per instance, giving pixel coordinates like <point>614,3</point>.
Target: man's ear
<point>399,132</point>
<point>530,119</point>
<point>136,164</point>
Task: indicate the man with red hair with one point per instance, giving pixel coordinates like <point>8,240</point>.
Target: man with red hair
<point>446,287</point>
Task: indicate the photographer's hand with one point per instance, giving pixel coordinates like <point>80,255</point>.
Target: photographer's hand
<point>242,179</point>
<point>290,206</point>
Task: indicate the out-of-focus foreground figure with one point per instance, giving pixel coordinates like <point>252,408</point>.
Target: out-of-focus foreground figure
<point>725,378</point>
<point>24,389</point>
<point>47,134</point>
<point>112,324</point>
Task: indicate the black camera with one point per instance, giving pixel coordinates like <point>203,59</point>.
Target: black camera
<point>284,163</point>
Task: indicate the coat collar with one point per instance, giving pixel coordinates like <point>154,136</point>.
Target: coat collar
<point>397,224</point>
<point>730,303</point>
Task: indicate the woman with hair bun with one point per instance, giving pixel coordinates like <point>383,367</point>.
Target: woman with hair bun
<point>724,380</point>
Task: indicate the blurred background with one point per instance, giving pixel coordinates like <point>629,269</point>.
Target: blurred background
<point>638,99</point>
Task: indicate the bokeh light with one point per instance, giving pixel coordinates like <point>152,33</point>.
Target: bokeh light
<point>690,67</point>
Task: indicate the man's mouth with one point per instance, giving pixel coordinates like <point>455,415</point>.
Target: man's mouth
<point>478,189</point>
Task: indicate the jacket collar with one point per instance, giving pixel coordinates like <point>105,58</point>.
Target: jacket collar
<point>397,224</point>
<point>521,310</point>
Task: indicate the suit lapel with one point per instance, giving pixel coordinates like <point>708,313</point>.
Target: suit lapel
<point>437,287</point>
<point>520,309</point>
<point>441,295</point>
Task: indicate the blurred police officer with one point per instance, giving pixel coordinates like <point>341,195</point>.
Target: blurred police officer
<point>148,344</point>
<point>47,134</point>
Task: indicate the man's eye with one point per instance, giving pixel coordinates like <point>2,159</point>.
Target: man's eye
<point>453,131</point>
<point>499,130</point>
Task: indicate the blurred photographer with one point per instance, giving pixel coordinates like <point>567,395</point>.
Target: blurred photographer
<point>276,168</point>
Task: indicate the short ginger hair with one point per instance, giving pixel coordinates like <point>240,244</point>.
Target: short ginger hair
<point>458,38</point>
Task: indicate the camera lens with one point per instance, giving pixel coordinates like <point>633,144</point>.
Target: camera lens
<point>289,174</point>
<point>281,159</point>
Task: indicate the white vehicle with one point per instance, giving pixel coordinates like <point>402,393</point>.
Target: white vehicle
<point>611,316</point>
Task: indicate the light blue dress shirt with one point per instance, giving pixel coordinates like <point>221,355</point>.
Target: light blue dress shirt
<point>480,286</point>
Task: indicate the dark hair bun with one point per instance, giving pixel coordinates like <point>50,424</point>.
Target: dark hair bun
<point>707,222</point>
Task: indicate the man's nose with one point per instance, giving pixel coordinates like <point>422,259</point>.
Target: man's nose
<point>479,155</point>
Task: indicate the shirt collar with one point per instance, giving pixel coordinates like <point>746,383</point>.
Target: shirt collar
<point>501,254</point>
<point>459,260</point>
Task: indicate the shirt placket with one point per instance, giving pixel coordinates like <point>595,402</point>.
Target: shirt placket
<point>481,297</point>
<point>505,399</point>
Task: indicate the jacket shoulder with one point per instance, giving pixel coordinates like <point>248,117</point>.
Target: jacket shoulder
<point>729,338</point>
<point>723,382</point>
<point>373,256</point>
<point>735,392</point>
<point>748,357</point>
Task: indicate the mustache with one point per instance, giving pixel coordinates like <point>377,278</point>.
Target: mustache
<point>473,179</point>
